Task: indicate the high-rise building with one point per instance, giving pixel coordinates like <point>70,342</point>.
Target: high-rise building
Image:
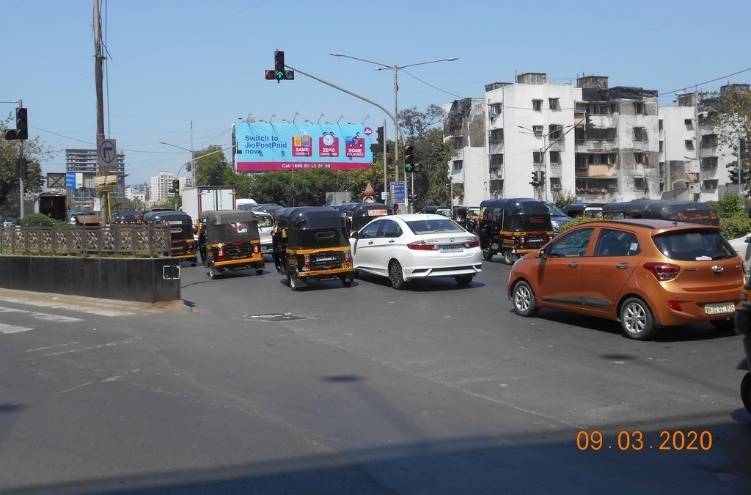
<point>159,186</point>
<point>84,161</point>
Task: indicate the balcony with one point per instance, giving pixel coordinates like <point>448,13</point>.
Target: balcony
<point>495,173</point>
<point>495,148</point>
<point>602,171</point>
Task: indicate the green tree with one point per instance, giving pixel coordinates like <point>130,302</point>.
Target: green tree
<point>33,153</point>
<point>212,168</point>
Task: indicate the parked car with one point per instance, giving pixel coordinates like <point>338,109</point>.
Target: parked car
<point>643,273</point>
<point>557,218</point>
<point>409,247</point>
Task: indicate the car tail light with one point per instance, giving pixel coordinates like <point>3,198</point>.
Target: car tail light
<point>347,256</point>
<point>663,271</point>
<point>674,305</point>
<point>256,248</point>
<point>306,263</point>
<point>422,246</point>
<point>220,251</point>
<point>472,244</point>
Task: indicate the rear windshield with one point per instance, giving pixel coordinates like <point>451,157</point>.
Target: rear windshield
<point>527,223</point>
<point>694,246</point>
<point>433,226</point>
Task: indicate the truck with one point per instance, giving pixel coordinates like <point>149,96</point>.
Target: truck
<point>52,204</point>
<point>196,200</point>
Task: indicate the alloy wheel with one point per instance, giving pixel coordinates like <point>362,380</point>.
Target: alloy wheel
<point>634,318</point>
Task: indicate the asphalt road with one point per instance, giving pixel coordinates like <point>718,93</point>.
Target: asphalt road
<point>433,390</point>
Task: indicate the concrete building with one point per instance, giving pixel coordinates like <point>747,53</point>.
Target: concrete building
<point>695,162</point>
<point>159,186</point>
<point>464,127</point>
<point>135,195</point>
<point>617,147</point>
<point>85,162</point>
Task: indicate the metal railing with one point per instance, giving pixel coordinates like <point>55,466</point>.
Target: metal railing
<point>149,241</point>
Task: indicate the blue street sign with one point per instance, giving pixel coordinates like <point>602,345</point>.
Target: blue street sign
<point>398,192</point>
<point>70,180</point>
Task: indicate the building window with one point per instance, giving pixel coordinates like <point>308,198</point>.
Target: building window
<point>640,158</point>
<point>458,142</point>
<point>709,162</point>
<point>659,125</point>
<point>640,184</point>
<point>457,166</point>
<point>639,108</point>
<point>709,141</point>
<point>662,145</point>
<point>496,136</point>
<point>536,157</point>
<point>554,103</point>
<point>689,124</point>
<point>555,131</point>
<point>495,109</point>
<point>709,185</point>
<point>555,157</point>
<point>537,129</point>
<point>640,134</point>
<point>689,144</point>
<point>496,160</point>
<point>555,183</point>
<point>537,105</point>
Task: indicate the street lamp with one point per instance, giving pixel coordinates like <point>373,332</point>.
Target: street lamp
<point>192,158</point>
<point>395,68</point>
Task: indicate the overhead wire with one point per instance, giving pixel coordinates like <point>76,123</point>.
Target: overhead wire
<point>696,85</point>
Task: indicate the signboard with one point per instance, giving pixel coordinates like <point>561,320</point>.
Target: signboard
<point>106,155</point>
<point>398,192</point>
<point>79,180</point>
<point>70,180</point>
<point>263,146</point>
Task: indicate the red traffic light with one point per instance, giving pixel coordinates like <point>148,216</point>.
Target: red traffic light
<point>270,75</point>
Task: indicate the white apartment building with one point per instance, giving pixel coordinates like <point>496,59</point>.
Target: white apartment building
<point>599,143</point>
<point>135,195</point>
<point>159,186</point>
<point>693,160</point>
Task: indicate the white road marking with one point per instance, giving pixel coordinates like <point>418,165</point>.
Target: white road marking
<point>114,343</point>
<point>40,316</point>
<point>8,329</point>
<point>48,347</point>
<point>68,307</point>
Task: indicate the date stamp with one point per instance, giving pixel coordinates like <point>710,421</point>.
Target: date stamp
<point>637,441</point>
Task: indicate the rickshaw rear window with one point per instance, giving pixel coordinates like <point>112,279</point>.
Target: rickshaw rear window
<point>529,222</point>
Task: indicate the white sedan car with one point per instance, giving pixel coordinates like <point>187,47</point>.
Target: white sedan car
<point>265,223</point>
<point>408,247</point>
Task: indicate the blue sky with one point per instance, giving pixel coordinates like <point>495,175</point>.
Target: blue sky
<point>177,60</point>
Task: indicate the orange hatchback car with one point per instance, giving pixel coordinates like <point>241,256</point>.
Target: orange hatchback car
<point>643,273</point>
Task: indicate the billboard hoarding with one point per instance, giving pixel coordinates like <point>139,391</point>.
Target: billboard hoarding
<point>264,147</point>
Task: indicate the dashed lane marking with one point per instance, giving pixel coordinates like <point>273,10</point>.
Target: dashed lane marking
<point>41,316</point>
<point>8,329</point>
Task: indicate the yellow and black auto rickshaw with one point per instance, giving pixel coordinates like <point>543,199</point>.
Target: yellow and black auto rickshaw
<point>364,213</point>
<point>229,240</point>
<point>513,227</point>
<point>312,243</point>
<point>181,233</point>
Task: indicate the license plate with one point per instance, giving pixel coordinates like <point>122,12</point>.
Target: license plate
<point>719,308</point>
<point>327,259</point>
<point>451,248</point>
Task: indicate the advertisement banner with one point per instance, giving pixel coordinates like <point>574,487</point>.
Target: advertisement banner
<point>264,147</point>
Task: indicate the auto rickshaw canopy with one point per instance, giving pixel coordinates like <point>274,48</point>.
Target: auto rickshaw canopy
<point>230,226</point>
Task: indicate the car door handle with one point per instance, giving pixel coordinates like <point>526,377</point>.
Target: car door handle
<point>392,241</point>
<point>573,265</point>
<point>370,242</point>
<point>622,266</point>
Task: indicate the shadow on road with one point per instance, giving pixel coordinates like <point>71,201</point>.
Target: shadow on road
<point>423,285</point>
<point>516,463</point>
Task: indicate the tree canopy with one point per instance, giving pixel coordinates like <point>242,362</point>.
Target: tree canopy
<point>33,152</point>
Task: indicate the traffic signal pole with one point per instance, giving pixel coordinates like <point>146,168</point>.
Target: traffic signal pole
<point>385,167</point>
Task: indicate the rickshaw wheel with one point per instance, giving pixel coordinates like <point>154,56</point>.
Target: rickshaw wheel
<point>487,254</point>
<point>213,274</point>
<point>259,271</point>
<point>746,391</point>
<point>294,281</point>
<point>510,258</point>
<point>347,280</point>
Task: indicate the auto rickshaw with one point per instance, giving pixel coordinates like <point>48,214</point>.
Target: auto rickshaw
<point>229,240</point>
<point>513,227</point>
<point>312,243</point>
<point>182,245</point>
<point>743,327</point>
<point>679,211</point>
<point>363,213</point>
<point>580,209</point>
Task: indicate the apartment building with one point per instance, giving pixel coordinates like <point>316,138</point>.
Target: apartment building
<point>694,161</point>
<point>159,186</point>
<point>617,143</point>
<point>464,127</point>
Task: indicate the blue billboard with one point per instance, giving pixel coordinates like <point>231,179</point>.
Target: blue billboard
<point>263,146</point>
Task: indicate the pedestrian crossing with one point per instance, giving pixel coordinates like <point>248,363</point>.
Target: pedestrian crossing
<point>20,318</point>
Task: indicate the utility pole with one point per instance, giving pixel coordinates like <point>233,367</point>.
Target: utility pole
<point>396,126</point>
<point>192,156</point>
<point>385,167</point>
<point>98,80</point>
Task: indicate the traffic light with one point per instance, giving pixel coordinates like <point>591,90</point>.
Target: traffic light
<point>176,186</point>
<point>537,178</point>
<point>279,73</point>
<point>378,145</point>
<point>744,151</point>
<point>409,158</point>
<point>733,174</point>
<point>22,123</point>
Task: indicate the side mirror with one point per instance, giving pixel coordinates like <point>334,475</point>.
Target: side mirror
<point>542,254</point>
<point>354,235</point>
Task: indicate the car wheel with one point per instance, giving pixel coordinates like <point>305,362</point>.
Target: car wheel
<point>523,298</point>
<point>509,258</point>
<point>396,276</point>
<point>637,321</point>
<point>347,280</point>
<point>746,391</point>
<point>294,281</point>
<point>724,325</point>
<point>464,280</point>
<point>487,254</point>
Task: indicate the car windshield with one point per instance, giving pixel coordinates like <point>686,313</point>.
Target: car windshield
<point>433,226</point>
<point>555,211</point>
<point>264,221</point>
<point>696,245</point>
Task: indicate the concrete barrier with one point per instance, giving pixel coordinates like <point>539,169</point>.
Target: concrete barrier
<point>130,279</point>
